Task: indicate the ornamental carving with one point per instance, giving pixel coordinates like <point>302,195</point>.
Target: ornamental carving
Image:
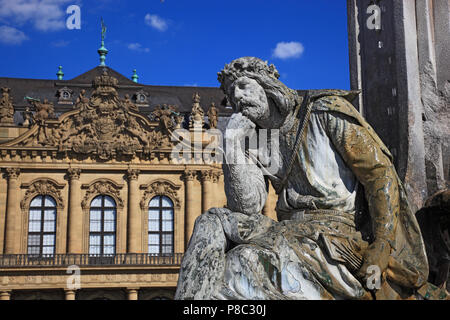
<point>99,187</point>
<point>210,175</point>
<point>44,187</point>
<point>12,173</point>
<point>102,127</point>
<point>6,107</point>
<point>133,174</point>
<point>160,188</point>
<point>189,175</point>
<point>44,110</point>
<point>74,173</point>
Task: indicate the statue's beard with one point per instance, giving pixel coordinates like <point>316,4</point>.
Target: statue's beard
<point>251,110</point>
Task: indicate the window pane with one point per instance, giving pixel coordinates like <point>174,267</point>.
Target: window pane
<point>109,202</point>
<point>49,240</point>
<point>48,250</point>
<point>108,240</point>
<point>167,249</point>
<point>94,249</point>
<point>34,226</point>
<point>153,225</point>
<point>167,226</point>
<point>50,202</point>
<point>50,215</point>
<point>153,239</point>
<point>97,202</point>
<point>35,214</point>
<point>36,202</point>
<point>49,226</point>
<point>109,221</point>
<point>167,239</point>
<point>95,215</point>
<point>94,240</point>
<point>95,226</point>
<point>34,240</point>
<point>153,214</point>
<point>109,226</point>
<point>167,214</point>
<point>153,249</point>
<point>33,250</point>
<point>108,250</point>
<point>154,202</point>
<point>110,215</point>
<point>166,202</point>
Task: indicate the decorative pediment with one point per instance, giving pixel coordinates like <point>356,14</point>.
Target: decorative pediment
<point>47,187</point>
<point>160,187</point>
<point>102,127</point>
<point>102,187</point>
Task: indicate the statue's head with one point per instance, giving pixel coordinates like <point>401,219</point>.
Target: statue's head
<point>253,88</point>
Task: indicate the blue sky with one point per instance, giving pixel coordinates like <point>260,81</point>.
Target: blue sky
<point>178,42</point>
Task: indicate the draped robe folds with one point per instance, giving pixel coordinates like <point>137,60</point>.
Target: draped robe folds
<point>236,256</point>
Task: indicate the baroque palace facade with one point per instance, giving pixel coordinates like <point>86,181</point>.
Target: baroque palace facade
<point>93,204</point>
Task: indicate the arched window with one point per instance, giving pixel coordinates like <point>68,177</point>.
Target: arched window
<point>160,226</point>
<point>102,226</point>
<point>42,226</point>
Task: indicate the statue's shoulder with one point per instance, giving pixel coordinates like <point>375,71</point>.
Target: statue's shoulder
<point>335,100</point>
<point>341,101</point>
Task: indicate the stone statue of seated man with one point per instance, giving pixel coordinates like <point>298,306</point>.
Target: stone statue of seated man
<point>344,229</point>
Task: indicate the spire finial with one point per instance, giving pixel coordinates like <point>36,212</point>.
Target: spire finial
<point>60,73</point>
<point>134,77</point>
<point>103,51</point>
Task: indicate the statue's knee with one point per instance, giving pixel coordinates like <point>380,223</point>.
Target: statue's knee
<point>207,219</point>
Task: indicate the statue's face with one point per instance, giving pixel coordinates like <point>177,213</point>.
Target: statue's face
<point>248,97</point>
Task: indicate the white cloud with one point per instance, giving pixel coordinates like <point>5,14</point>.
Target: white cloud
<point>287,50</point>
<point>156,22</point>
<point>45,15</point>
<point>11,36</point>
<point>138,47</point>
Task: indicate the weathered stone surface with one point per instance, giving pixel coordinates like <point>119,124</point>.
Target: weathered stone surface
<point>320,248</point>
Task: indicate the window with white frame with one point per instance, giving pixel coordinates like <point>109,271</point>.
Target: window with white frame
<point>102,226</point>
<point>161,226</point>
<point>42,226</point>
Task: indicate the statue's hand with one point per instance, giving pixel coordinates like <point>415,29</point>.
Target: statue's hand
<point>375,260</point>
<point>238,126</point>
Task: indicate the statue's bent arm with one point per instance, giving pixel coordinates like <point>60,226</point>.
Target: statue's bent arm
<point>372,168</point>
<point>245,186</point>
